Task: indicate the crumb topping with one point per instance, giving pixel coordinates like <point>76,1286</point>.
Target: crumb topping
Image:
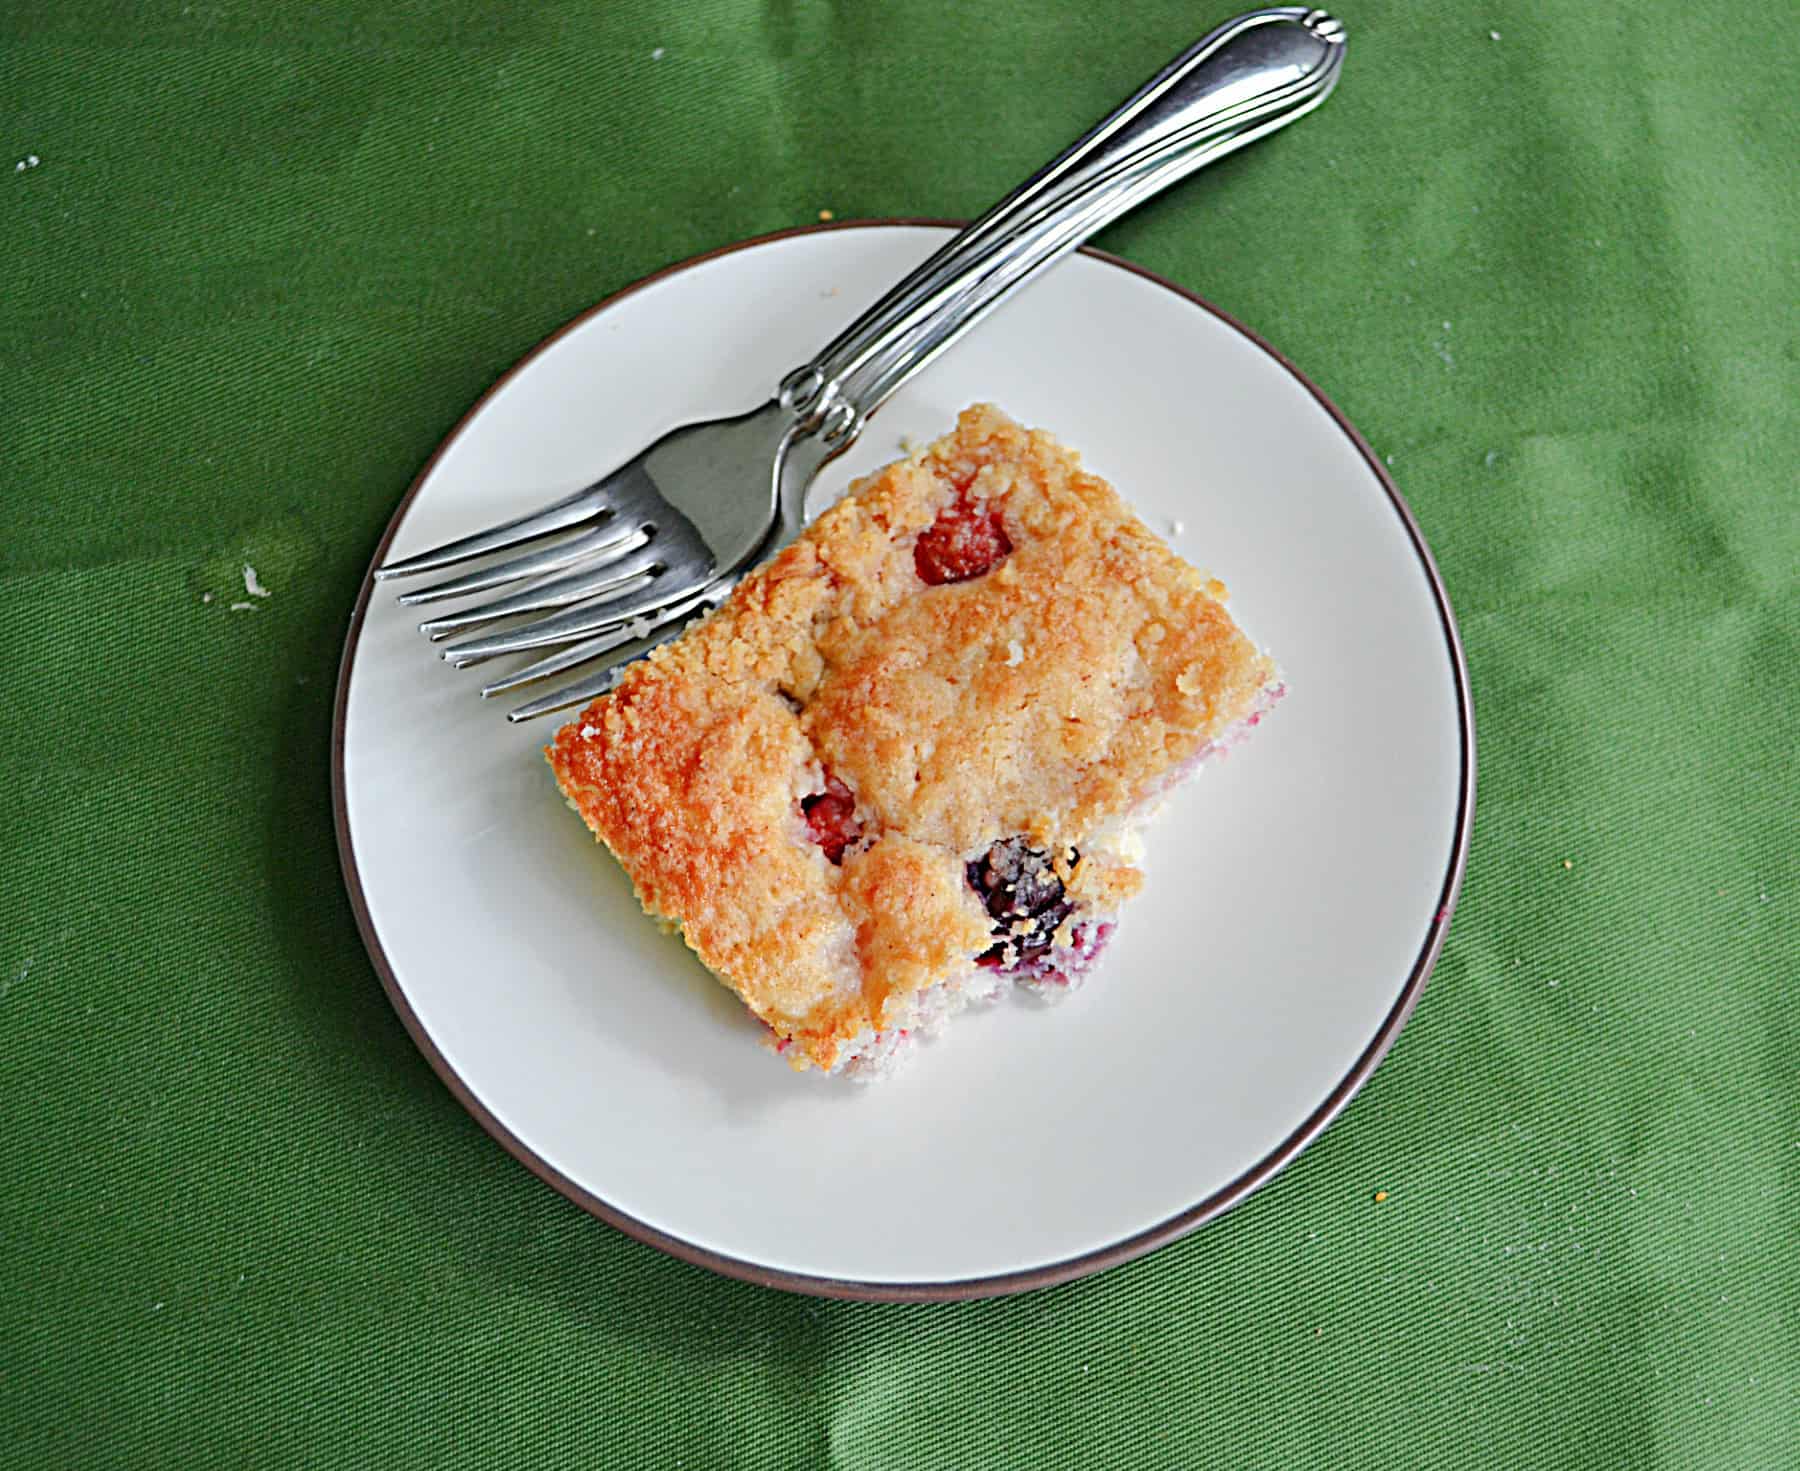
<point>979,651</point>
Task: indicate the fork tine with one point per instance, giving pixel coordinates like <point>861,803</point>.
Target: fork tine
<point>619,572</point>
<point>588,648</point>
<point>592,648</point>
<point>557,516</point>
<point>579,693</point>
<point>532,564</point>
<point>583,621</point>
<point>666,624</point>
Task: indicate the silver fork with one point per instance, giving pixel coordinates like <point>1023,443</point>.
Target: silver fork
<point>669,533</point>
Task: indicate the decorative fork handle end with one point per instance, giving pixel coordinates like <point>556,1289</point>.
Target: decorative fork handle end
<point>1325,25</point>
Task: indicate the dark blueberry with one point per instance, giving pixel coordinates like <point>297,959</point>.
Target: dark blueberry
<point>1018,884</point>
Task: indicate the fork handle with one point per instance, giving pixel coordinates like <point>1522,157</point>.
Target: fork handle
<point>1250,76</point>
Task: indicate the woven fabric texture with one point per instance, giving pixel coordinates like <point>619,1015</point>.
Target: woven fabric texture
<point>256,261</point>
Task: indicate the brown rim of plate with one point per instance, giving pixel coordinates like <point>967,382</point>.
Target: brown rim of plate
<point>1009,1282</point>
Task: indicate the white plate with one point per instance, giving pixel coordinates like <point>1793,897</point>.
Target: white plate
<point>1296,897</point>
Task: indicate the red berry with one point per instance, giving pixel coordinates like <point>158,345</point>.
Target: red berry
<point>831,818</point>
<point>966,540</point>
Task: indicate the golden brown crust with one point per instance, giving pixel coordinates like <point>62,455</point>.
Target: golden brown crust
<point>1045,698</point>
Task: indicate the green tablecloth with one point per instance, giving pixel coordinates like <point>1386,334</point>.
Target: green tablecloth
<point>255,261</point>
